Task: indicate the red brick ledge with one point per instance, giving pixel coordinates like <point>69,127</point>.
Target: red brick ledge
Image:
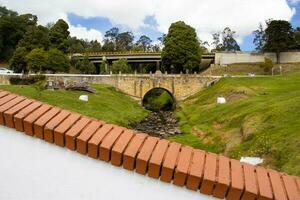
<point>209,173</point>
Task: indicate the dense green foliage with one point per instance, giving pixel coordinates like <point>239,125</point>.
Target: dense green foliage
<point>85,66</point>
<point>37,60</point>
<point>121,66</point>
<point>261,118</point>
<point>182,49</point>
<point>158,99</point>
<point>58,35</point>
<point>18,61</point>
<point>107,104</point>
<point>12,28</point>
<point>53,60</point>
<point>57,61</point>
<point>35,37</point>
<point>279,36</point>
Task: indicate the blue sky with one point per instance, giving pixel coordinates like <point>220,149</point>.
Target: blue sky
<point>90,19</point>
<point>103,24</point>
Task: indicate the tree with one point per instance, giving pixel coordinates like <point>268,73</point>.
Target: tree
<point>124,41</point>
<point>57,61</point>
<point>94,46</point>
<point>225,41</point>
<point>144,42</point>
<point>296,37</point>
<point>204,46</point>
<point>279,37</point>
<point>85,66</point>
<point>216,42</point>
<point>18,61</point>
<point>58,36</point>
<point>259,38</point>
<point>181,48</point>
<point>110,40</point>
<point>108,46</point>
<point>116,41</point>
<point>35,37</point>
<point>12,29</point>
<point>75,45</point>
<point>229,43</point>
<point>121,66</point>
<point>37,60</point>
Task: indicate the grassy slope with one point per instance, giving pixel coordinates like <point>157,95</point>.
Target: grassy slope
<point>262,118</point>
<point>108,104</point>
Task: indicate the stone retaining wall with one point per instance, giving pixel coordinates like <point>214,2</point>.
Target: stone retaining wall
<point>170,162</point>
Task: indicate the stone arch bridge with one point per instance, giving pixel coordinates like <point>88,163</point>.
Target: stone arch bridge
<point>180,86</point>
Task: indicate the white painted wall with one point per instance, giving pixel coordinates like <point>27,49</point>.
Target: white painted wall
<point>31,169</point>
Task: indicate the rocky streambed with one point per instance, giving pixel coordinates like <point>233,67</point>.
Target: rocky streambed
<point>160,124</point>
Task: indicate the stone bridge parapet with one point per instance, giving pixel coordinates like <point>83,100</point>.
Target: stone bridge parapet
<point>180,86</point>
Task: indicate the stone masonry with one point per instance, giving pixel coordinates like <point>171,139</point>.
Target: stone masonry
<point>180,86</point>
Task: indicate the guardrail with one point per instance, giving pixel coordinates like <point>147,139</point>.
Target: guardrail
<point>116,53</point>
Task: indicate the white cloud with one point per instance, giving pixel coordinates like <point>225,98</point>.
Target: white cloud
<point>206,16</point>
<point>84,33</point>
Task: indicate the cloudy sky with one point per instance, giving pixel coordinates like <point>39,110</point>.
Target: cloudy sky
<point>89,19</point>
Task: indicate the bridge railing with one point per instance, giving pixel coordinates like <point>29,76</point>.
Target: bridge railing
<point>117,53</point>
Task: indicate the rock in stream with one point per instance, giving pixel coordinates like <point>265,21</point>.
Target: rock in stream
<point>160,124</point>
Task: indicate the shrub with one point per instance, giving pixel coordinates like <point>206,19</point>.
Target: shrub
<point>121,66</point>
<point>57,61</point>
<point>267,65</point>
<point>85,66</point>
<point>37,60</point>
<point>26,80</point>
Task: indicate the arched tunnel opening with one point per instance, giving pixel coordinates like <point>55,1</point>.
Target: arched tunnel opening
<point>161,121</point>
<point>159,99</point>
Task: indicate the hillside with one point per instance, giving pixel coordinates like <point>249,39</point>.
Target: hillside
<point>107,104</point>
<point>261,118</point>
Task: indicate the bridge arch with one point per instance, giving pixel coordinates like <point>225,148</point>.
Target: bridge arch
<point>159,95</point>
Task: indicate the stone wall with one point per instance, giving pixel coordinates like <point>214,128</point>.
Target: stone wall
<point>225,58</point>
<point>137,85</point>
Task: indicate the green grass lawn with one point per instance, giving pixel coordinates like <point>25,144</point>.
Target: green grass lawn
<point>107,104</point>
<point>261,118</point>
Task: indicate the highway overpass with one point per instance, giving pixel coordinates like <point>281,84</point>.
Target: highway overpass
<point>130,56</point>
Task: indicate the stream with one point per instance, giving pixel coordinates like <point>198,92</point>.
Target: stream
<point>160,124</point>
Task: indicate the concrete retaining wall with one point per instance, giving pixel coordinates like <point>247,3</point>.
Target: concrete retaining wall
<point>225,58</point>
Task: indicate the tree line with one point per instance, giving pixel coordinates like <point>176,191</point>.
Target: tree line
<point>29,46</point>
<point>32,47</point>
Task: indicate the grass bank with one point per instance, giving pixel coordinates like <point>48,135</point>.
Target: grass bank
<point>261,118</point>
<point>107,104</point>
